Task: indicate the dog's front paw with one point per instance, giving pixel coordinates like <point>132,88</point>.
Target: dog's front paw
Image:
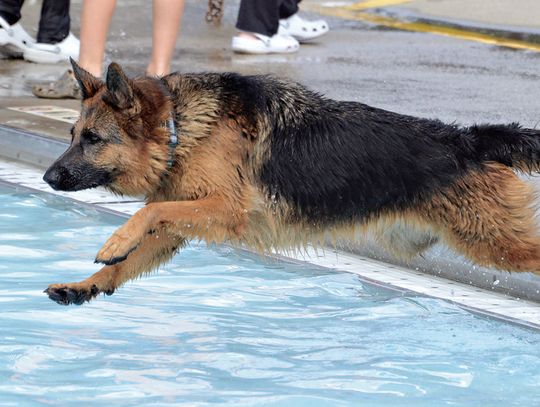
<point>117,248</point>
<point>74,293</point>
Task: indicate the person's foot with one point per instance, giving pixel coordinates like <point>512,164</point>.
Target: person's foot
<point>253,43</point>
<point>14,40</point>
<point>301,29</point>
<point>53,53</point>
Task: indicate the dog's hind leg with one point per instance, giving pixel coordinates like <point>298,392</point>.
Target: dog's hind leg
<point>155,249</point>
<point>488,216</point>
<point>404,236</point>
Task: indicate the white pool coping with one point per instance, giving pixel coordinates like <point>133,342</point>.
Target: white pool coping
<point>477,300</point>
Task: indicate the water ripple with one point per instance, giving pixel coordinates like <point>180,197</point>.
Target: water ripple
<point>222,327</point>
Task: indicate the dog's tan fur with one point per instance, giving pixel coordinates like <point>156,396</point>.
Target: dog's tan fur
<point>489,216</point>
<point>212,192</point>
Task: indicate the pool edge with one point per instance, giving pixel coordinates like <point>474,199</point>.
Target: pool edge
<point>498,303</point>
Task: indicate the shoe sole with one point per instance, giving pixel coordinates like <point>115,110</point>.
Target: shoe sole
<point>246,51</point>
<point>307,38</point>
<point>11,50</point>
<point>42,58</point>
<point>244,48</point>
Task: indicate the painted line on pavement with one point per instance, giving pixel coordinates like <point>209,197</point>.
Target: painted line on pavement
<point>364,5</point>
<point>50,112</point>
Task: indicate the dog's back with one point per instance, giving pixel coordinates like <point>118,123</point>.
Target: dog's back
<point>271,165</point>
<point>335,164</point>
<point>338,161</point>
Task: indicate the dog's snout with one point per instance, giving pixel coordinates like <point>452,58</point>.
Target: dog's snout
<point>53,176</point>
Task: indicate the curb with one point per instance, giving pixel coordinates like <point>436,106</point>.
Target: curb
<point>30,148</point>
<point>494,30</point>
<point>509,37</point>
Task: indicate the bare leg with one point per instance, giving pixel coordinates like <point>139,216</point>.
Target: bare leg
<point>95,21</point>
<point>166,24</point>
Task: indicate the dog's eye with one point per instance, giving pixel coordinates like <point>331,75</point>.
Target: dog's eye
<point>90,137</point>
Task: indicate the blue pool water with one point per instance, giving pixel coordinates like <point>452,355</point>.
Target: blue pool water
<point>222,327</point>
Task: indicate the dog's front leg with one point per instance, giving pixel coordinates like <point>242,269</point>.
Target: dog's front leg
<point>211,219</point>
<point>154,249</point>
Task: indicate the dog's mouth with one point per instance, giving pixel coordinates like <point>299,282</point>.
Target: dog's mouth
<point>69,180</point>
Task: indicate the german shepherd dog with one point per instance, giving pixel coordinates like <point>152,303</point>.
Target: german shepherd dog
<point>268,164</point>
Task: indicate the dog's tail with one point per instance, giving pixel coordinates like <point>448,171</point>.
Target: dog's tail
<point>509,144</point>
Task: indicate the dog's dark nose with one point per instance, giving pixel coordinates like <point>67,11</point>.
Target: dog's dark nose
<point>52,177</point>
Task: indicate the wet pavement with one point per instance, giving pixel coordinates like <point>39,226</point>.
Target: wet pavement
<point>413,73</point>
<point>515,15</point>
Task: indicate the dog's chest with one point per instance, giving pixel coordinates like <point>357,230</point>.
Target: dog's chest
<point>180,187</point>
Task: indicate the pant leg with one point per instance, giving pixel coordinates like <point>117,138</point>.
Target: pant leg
<point>259,16</point>
<point>10,10</point>
<point>288,7</point>
<point>54,22</point>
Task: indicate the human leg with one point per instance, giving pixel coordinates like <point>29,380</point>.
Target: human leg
<point>54,21</point>
<point>96,18</point>
<point>258,16</point>
<point>10,10</point>
<point>288,8</point>
<point>167,16</point>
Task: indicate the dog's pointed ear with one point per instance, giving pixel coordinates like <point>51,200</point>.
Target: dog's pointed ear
<point>119,89</point>
<point>88,83</point>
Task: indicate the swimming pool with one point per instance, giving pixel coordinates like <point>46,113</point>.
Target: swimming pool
<point>218,326</point>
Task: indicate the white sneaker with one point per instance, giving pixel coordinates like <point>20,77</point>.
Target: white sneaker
<point>263,44</point>
<point>14,40</point>
<point>54,53</point>
<point>303,30</point>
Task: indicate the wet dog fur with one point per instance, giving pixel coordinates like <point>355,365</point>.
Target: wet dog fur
<point>268,164</point>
